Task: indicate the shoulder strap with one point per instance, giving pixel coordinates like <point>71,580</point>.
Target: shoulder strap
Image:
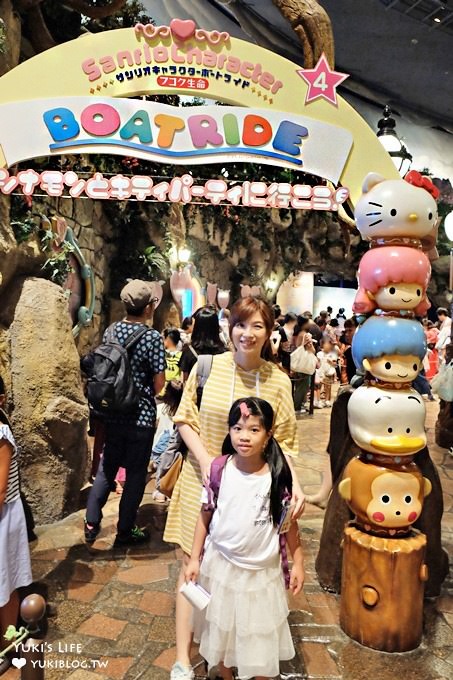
<point>215,477</point>
<point>135,337</point>
<point>111,333</point>
<point>204,366</point>
<point>193,351</point>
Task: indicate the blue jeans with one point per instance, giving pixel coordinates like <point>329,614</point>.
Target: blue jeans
<point>129,447</point>
<point>422,385</point>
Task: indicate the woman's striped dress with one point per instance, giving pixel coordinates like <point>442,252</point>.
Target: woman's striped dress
<point>226,383</point>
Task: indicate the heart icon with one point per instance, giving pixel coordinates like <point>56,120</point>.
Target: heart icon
<point>182,30</point>
<point>18,663</point>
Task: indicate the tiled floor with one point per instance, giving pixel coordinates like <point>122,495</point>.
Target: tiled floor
<point>115,610</point>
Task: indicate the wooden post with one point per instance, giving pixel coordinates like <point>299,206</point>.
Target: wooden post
<point>382,590</point>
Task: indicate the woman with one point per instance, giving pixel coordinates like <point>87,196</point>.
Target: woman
<point>287,340</point>
<point>205,339</point>
<point>242,373</point>
<point>301,381</point>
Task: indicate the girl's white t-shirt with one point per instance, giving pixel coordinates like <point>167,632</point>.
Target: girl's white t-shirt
<point>241,527</point>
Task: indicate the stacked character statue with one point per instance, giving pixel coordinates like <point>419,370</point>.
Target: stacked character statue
<point>384,567</point>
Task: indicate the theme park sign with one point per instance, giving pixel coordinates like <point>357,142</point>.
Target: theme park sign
<point>177,190</point>
<point>165,134</point>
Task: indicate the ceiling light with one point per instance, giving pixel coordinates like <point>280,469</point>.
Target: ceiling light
<point>437,20</point>
<point>448,226</point>
<point>392,143</point>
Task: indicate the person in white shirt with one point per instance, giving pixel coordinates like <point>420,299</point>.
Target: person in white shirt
<point>444,337</point>
<point>245,622</point>
<point>328,360</point>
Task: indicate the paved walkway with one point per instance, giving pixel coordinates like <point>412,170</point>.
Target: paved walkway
<point>115,610</point>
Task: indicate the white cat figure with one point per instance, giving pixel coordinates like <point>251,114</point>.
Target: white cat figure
<point>395,208</point>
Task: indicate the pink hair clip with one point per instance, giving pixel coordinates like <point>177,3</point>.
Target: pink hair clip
<point>245,411</point>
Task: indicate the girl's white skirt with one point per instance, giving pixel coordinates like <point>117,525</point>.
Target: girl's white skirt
<point>245,623</point>
<point>15,569</point>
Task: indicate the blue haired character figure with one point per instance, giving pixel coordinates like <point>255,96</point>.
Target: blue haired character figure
<point>245,622</point>
<point>390,348</point>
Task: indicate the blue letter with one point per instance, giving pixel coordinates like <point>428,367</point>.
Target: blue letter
<point>289,137</point>
<point>61,124</point>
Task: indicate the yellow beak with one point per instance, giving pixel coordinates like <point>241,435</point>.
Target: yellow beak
<point>398,444</point>
<point>413,217</point>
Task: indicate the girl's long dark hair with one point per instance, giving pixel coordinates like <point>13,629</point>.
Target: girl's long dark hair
<point>205,337</point>
<point>273,455</point>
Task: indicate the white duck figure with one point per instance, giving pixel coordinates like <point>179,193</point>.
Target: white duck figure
<point>387,422</point>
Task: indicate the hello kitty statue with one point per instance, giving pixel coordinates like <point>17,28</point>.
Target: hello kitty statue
<point>396,209</point>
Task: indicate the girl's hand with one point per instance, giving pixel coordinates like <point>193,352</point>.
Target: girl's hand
<point>298,500</point>
<point>192,570</point>
<point>296,578</point>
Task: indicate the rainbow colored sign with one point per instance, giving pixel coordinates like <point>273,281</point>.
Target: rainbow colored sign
<point>163,133</point>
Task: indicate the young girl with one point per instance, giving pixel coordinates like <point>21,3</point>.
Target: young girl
<point>328,360</point>
<point>245,623</point>
<point>165,412</point>
<point>15,569</point>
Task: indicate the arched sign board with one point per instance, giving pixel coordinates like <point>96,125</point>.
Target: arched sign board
<point>61,101</point>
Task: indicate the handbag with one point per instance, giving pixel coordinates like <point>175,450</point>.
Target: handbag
<point>302,361</point>
<point>442,383</point>
<point>170,464</point>
<point>168,481</point>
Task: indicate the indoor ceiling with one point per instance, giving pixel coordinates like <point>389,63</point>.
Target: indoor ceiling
<point>398,52</point>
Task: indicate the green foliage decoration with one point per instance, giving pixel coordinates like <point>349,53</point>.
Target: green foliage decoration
<point>57,266</point>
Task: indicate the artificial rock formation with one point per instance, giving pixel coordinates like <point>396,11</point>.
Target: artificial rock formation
<point>50,413</point>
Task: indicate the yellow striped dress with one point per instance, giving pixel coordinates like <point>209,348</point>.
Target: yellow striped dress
<point>226,382</point>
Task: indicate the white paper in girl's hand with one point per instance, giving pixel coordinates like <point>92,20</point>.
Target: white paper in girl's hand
<point>196,594</point>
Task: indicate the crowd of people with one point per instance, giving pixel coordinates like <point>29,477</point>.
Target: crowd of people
<point>225,390</point>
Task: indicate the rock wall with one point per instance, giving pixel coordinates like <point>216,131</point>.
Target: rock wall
<point>49,413</point>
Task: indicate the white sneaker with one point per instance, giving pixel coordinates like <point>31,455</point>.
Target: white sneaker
<point>318,404</point>
<point>180,672</point>
<point>328,403</point>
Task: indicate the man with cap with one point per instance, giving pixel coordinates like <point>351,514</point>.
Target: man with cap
<point>129,437</point>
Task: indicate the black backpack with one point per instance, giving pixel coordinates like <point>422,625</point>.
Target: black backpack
<point>110,386</point>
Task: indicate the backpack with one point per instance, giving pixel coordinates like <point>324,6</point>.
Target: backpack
<point>110,386</point>
<point>215,478</point>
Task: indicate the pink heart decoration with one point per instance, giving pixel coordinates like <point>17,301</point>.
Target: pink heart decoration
<point>182,29</point>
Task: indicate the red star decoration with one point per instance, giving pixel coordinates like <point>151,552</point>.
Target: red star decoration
<point>322,81</point>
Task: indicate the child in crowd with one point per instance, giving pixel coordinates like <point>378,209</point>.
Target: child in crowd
<point>164,426</point>
<point>328,361</point>
<point>172,339</point>
<point>245,623</point>
<point>15,568</point>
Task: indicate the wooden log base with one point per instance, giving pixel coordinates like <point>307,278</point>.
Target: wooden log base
<point>382,589</point>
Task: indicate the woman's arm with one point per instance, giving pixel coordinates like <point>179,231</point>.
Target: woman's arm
<point>298,497</point>
<point>6,452</point>
<point>297,575</point>
<point>196,446</point>
<point>201,531</point>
